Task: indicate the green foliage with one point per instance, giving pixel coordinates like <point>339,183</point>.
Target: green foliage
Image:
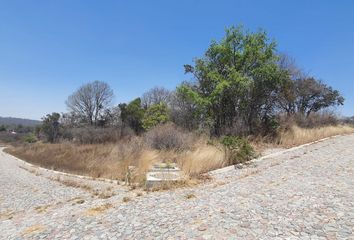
<point>2,128</point>
<point>132,115</point>
<point>237,149</point>
<point>235,80</point>
<point>154,115</point>
<point>50,127</point>
<point>30,138</point>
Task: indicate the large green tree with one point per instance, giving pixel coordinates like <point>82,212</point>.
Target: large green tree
<point>235,81</point>
<point>132,115</point>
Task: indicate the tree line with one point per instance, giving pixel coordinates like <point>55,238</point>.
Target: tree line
<point>241,86</point>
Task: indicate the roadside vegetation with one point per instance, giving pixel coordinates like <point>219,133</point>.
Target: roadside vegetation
<point>242,92</point>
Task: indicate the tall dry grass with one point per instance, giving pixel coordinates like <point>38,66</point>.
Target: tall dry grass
<point>112,160</point>
<point>298,136</point>
<point>95,160</point>
<point>202,159</point>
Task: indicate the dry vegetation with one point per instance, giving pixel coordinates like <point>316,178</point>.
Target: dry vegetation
<point>98,210</point>
<point>194,155</point>
<point>6,215</point>
<point>297,136</point>
<point>111,160</point>
<point>35,229</point>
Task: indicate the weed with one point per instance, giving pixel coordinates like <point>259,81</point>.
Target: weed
<point>190,196</point>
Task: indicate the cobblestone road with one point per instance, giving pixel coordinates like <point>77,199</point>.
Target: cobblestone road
<point>307,193</point>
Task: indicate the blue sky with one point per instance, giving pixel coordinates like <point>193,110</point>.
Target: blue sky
<point>49,48</point>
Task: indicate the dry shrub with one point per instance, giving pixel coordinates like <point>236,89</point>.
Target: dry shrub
<point>297,135</point>
<point>13,139</point>
<point>168,137</point>
<point>348,121</point>
<point>317,120</point>
<point>314,120</point>
<point>92,135</point>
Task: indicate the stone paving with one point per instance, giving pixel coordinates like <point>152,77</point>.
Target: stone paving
<point>307,193</point>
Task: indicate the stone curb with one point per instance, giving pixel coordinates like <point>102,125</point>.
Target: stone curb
<point>233,167</point>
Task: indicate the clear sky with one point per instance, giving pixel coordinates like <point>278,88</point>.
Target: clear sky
<point>49,48</point>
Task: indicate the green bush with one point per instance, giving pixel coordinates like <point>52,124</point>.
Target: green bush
<point>237,150</point>
<point>30,138</point>
<point>155,115</point>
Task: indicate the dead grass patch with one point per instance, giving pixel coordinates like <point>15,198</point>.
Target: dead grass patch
<point>98,210</point>
<point>250,172</point>
<point>42,209</point>
<point>72,183</point>
<point>105,194</point>
<point>7,215</point>
<point>219,183</point>
<point>35,229</point>
<point>170,185</point>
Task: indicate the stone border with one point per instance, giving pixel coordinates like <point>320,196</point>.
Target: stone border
<point>233,167</point>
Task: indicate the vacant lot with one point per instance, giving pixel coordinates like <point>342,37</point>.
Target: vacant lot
<point>304,193</point>
<point>112,160</point>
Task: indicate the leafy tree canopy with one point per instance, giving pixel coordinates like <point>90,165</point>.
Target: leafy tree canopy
<point>235,78</point>
<point>132,115</point>
<point>154,115</point>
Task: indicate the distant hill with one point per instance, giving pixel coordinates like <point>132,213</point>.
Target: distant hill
<point>9,121</point>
